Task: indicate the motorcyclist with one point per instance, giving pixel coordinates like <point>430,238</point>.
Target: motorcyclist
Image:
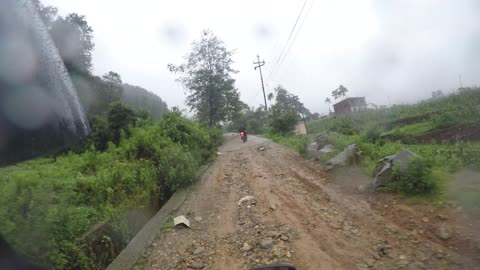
<point>244,131</point>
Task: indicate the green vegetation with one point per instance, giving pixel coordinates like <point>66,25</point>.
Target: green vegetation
<point>100,96</point>
<point>48,205</point>
<point>254,120</point>
<point>167,225</point>
<point>386,132</point>
<point>139,97</point>
<point>370,130</point>
<point>284,123</point>
<point>207,76</point>
<point>297,142</point>
<point>413,129</point>
<point>416,179</point>
<point>282,117</point>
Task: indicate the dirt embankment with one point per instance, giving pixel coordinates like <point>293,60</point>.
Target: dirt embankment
<point>300,215</point>
<point>446,135</point>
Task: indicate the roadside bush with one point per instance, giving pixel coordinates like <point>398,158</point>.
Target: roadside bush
<point>445,120</point>
<point>284,123</point>
<point>297,142</point>
<point>48,205</point>
<point>372,134</point>
<point>416,179</point>
<point>346,126</point>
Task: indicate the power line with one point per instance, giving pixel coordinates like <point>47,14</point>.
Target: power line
<point>286,43</point>
<point>295,36</point>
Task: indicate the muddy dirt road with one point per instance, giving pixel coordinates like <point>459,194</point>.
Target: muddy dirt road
<point>299,214</point>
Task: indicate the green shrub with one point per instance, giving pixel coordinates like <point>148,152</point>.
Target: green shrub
<point>372,134</point>
<point>284,123</point>
<point>297,142</point>
<point>416,179</point>
<point>346,126</point>
<point>46,206</point>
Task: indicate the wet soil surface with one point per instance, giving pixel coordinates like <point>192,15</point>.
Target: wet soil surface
<point>298,214</point>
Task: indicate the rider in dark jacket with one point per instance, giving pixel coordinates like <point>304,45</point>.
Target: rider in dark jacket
<point>242,129</point>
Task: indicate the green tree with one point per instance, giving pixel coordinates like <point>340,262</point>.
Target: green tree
<point>120,117</point>
<point>113,87</point>
<point>286,102</point>
<point>284,123</point>
<point>342,91</point>
<point>74,39</point>
<point>139,97</point>
<point>328,101</point>
<point>255,121</point>
<point>234,106</point>
<point>100,134</point>
<point>206,74</point>
<point>47,13</point>
<point>335,94</point>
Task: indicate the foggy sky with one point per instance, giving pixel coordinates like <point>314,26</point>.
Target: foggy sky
<point>397,50</point>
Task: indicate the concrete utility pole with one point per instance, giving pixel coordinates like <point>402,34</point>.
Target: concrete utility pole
<point>259,65</point>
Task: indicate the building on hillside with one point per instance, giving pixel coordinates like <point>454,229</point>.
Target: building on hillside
<point>350,105</point>
<point>372,106</point>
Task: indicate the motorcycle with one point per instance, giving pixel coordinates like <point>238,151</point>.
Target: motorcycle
<point>243,136</point>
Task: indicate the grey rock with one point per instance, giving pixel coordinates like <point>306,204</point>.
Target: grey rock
<point>284,238</point>
<point>444,233</point>
<point>370,262</point>
<point>322,141</point>
<point>316,150</point>
<point>311,150</point>
<point>198,264</point>
<point>198,250</point>
<point>384,170</point>
<point>274,234</point>
<point>345,158</point>
<point>402,263</point>
<point>246,247</point>
<point>416,266</point>
<point>329,148</point>
<point>266,243</point>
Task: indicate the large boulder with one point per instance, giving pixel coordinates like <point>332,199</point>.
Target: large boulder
<point>384,169</point>
<point>347,157</point>
<point>322,140</point>
<point>329,148</point>
<point>315,151</point>
<point>311,150</point>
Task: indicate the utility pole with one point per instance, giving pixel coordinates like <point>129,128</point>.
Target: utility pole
<point>259,65</point>
<point>460,79</point>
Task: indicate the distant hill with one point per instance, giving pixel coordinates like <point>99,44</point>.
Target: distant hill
<point>139,97</point>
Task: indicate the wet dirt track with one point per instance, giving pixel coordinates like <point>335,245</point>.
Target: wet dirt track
<point>299,215</point>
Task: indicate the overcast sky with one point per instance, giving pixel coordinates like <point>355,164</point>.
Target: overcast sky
<point>399,50</point>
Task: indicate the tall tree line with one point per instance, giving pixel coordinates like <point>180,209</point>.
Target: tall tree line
<point>73,37</point>
<point>101,96</point>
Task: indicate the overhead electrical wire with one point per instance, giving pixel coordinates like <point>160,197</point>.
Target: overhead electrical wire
<point>295,36</point>
<point>286,43</point>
